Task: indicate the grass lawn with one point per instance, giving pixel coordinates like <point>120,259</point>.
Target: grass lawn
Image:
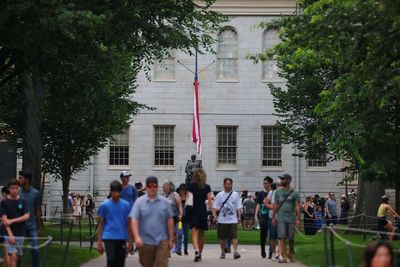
<point>76,256</point>
<point>309,250</point>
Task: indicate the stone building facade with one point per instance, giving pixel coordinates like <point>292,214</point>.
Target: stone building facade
<point>239,134</point>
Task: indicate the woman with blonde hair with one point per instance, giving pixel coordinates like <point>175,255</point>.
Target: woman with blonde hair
<point>77,207</point>
<point>198,216</point>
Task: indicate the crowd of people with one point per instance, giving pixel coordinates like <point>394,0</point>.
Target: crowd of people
<point>156,222</point>
<point>315,210</point>
<point>127,219</point>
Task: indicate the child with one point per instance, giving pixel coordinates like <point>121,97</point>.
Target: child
<point>114,228</point>
<point>14,213</point>
<point>319,214</point>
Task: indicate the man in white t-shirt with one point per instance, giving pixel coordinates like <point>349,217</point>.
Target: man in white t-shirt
<point>229,205</point>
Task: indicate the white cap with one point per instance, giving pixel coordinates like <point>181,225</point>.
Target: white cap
<point>125,174</point>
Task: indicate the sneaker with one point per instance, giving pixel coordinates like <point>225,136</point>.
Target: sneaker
<point>273,257</point>
<point>186,252</point>
<point>179,253</point>
<point>292,258</point>
<point>196,256</point>
<point>263,254</point>
<point>222,256</point>
<point>236,255</point>
<point>282,259</point>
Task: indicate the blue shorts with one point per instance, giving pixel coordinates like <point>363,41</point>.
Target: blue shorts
<point>272,230</point>
<point>17,247</point>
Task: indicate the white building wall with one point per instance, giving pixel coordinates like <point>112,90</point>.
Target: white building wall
<point>246,103</point>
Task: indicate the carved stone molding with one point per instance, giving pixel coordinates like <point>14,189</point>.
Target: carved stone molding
<point>254,7</point>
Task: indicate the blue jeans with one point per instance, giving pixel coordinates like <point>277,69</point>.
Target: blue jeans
<point>185,233</point>
<point>34,242</point>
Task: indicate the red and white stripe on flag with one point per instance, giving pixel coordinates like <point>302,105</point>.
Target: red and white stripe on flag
<point>196,136</point>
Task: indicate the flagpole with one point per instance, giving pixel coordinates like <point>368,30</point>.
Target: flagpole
<point>195,67</point>
<point>196,73</point>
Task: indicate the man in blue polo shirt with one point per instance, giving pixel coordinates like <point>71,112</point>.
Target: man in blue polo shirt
<point>153,226</point>
<point>33,227</point>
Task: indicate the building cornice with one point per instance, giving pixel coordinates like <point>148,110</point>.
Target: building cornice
<point>254,7</point>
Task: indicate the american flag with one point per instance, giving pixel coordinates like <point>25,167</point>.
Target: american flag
<point>196,135</point>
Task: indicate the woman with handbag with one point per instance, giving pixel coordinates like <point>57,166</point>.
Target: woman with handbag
<point>198,216</point>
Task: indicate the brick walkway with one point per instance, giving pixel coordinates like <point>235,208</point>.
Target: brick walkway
<point>250,258</point>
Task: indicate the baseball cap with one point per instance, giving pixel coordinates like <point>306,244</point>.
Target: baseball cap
<point>286,176</point>
<point>151,180</point>
<point>27,174</point>
<point>125,174</point>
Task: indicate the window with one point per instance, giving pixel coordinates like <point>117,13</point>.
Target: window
<point>272,147</point>
<point>119,149</point>
<point>227,145</point>
<point>164,68</point>
<point>317,163</point>
<point>269,68</point>
<point>164,145</point>
<point>227,66</point>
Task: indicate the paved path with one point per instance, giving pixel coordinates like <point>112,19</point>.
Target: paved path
<point>250,258</point>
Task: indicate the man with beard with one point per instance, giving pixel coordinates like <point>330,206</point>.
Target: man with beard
<point>286,214</point>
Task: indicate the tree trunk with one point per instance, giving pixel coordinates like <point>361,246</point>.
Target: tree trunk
<point>368,202</point>
<point>32,101</point>
<point>397,208</point>
<point>66,178</point>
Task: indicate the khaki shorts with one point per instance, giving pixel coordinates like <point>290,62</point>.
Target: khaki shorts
<point>227,231</point>
<point>285,230</point>
<point>154,256</point>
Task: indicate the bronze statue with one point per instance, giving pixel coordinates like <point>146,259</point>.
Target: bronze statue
<point>191,166</point>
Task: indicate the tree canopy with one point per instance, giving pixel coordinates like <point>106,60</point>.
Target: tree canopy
<point>340,60</point>
<point>68,70</point>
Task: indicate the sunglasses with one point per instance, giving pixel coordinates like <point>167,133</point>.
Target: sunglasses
<point>152,185</point>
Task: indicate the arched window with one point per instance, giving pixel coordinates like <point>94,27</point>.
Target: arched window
<point>270,69</point>
<point>164,68</point>
<point>227,54</point>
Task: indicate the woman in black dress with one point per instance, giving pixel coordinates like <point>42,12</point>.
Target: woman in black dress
<point>309,217</point>
<point>198,217</point>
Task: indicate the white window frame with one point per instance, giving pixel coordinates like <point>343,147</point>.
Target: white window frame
<point>227,165</point>
<point>234,78</point>
<point>120,166</point>
<point>277,167</point>
<point>167,166</point>
<point>265,45</point>
<point>317,168</point>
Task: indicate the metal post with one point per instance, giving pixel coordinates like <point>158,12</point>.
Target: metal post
<point>324,229</point>
<point>90,226</point>
<point>61,228</point>
<point>67,246</point>
<point>365,234</point>
<point>45,212</point>
<point>332,249</point>
<point>44,257</point>
<point>92,237</point>
<point>80,232</point>
<point>350,254</point>
<point>55,212</point>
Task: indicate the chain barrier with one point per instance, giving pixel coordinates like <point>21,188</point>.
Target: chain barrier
<point>48,240</point>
